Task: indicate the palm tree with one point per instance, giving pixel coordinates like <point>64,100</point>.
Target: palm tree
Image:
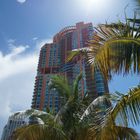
<point>113,125</point>
<point>69,115</point>
<point>40,131</point>
<point>115,48</point>
<point>64,125</point>
<point>77,121</point>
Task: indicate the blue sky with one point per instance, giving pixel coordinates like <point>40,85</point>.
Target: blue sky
<point>25,25</point>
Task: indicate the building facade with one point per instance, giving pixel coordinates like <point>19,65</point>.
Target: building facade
<point>18,120</point>
<point>52,60</point>
<point>15,121</point>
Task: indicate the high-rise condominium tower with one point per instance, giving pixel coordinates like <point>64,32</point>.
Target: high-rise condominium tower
<point>52,61</point>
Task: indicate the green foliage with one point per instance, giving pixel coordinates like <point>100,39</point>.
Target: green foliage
<point>111,122</point>
<point>61,84</point>
<point>128,107</point>
<point>40,132</point>
<point>115,48</point>
<point>100,120</point>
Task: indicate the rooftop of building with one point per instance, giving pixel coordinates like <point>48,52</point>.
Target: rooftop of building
<point>67,30</point>
<point>26,113</point>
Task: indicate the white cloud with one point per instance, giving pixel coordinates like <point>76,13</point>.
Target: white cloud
<point>14,62</point>
<point>17,50</point>
<point>11,41</point>
<point>21,1</point>
<point>17,77</point>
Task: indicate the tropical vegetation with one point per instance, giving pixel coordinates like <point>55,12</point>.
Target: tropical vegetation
<point>115,48</point>
<point>77,120</point>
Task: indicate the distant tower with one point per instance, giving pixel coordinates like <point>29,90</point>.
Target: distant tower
<point>18,120</point>
<point>52,61</point>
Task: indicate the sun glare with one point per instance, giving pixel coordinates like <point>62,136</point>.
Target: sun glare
<point>94,5</point>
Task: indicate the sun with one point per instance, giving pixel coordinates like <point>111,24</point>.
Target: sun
<point>91,3</point>
<point>94,5</point>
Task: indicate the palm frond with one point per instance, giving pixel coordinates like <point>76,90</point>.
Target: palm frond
<point>46,118</point>
<point>128,107</point>
<point>112,132</point>
<point>75,85</point>
<point>60,83</point>
<point>101,104</point>
<point>39,132</point>
<point>68,114</point>
<point>115,48</point>
<point>82,52</point>
<point>103,126</point>
<point>119,56</point>
<point>125,133</point>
